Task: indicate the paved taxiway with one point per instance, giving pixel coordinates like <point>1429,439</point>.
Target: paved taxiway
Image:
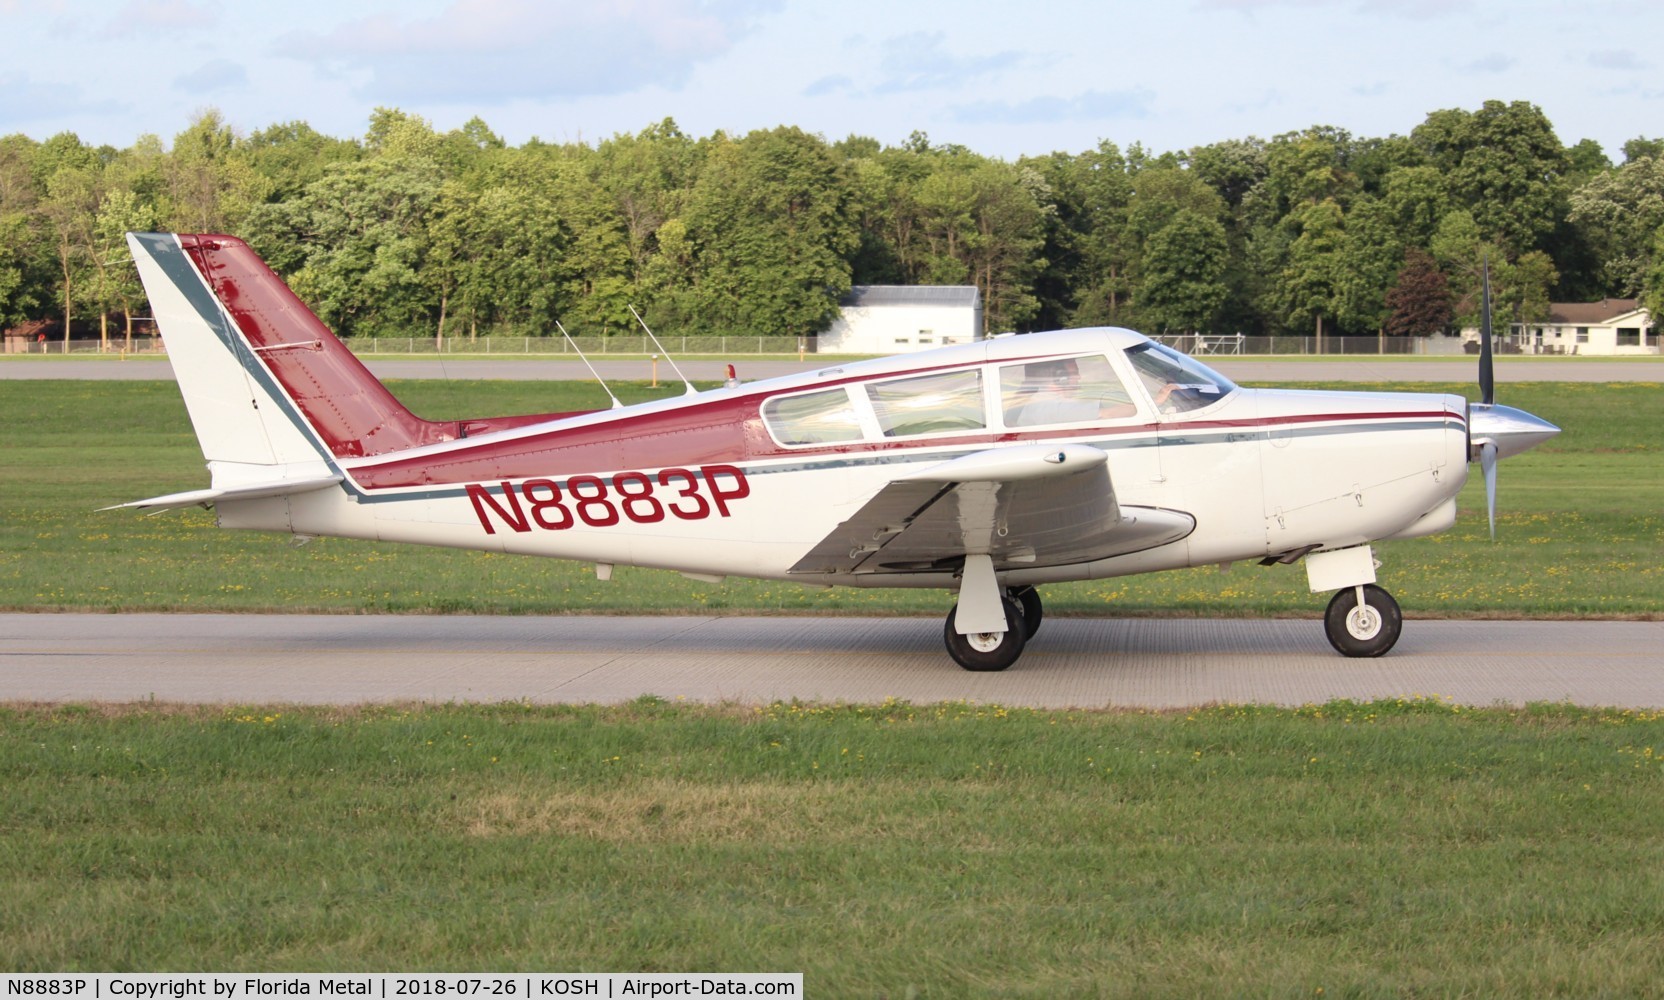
<point>1157,663</point>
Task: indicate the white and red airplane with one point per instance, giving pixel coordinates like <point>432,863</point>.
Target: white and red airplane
<point>988,469</point>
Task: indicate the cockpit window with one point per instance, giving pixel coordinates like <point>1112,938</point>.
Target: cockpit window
<point>813,418</point>
<point>1177,382</point>
<point>1062,391</point>
<point>929,404</point>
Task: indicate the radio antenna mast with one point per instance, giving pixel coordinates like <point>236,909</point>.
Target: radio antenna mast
<point>615,403</point>
<point>691,390</point>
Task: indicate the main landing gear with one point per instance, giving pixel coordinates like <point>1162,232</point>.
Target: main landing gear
<point>1363,621</point>
<point>989,651</point>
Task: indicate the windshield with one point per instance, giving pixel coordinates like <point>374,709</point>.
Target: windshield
<point>1177,382</point>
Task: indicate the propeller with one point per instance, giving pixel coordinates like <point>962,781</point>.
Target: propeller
<point>1497,432</point>
<point>1487,375</point>
<point>1487,391</point>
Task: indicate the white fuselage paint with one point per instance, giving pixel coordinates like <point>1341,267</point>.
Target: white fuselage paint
<point>1256,487</point>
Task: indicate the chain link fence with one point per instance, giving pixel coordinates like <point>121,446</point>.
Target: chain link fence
<point>1203,345</point>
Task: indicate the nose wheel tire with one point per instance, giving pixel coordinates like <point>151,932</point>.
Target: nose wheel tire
<point>987,651</point>
<point>1369,628</point>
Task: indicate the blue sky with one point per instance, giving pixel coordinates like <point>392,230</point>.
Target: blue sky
<point>1005,79</point>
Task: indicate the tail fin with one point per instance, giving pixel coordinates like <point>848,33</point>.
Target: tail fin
<point>266,383</point>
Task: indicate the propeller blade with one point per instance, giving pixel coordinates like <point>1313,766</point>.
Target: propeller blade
<point>1487,462</point>
<point>1487,377</point>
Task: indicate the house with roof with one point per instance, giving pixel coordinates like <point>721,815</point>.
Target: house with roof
<point>1610,326</point>
<point>894,319</point>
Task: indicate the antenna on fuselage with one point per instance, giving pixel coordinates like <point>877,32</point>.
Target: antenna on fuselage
<point>691,390</point>
<point>615,403</point>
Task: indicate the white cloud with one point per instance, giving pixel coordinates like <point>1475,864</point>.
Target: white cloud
<point>1091,106</point>
<point>829,85</point>
<point>1496,62</point>
<point>156,17</point>
<point>917,61</point>
<point>218,75</point>
<point>1416,9</point>
<point>22,100</point>
<point>503,50</point>
<point>1622,59</point>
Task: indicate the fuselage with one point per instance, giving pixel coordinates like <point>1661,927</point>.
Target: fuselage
<point>743,480</point>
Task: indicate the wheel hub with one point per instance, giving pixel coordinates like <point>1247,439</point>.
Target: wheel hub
<point>1363,622</point>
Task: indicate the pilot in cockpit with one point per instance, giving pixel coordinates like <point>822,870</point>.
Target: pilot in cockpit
<point>1062,391</point>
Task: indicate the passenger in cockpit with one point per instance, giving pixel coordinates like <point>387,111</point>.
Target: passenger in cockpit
<point>1062,391</point>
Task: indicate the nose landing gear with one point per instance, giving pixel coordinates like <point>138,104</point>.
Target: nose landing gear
<point>1363,621</point>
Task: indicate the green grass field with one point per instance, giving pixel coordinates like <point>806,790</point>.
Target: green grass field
<point>1580,528</point>
<point>1360,850</point>
<point>1388,849</point>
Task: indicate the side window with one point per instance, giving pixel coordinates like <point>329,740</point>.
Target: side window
<point>812,418</point>
<point>929,404</point>
<point>1063,391</point>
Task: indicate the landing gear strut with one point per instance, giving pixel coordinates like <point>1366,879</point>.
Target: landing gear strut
<point>1363,621</point>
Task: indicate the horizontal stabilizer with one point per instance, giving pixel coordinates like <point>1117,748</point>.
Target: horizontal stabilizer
<point>254,491</point>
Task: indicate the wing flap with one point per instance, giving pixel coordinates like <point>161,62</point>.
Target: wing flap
<point>1024,507</point>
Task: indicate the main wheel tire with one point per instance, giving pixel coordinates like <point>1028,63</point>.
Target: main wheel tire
<point>1028,600</point>
<point>1369,630</point>
<point>986,651</point>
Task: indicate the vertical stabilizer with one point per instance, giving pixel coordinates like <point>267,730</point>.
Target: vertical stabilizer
<point>266,383</point>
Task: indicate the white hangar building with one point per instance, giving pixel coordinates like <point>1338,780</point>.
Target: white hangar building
<point>892,319</point>
<point>1610,326</point>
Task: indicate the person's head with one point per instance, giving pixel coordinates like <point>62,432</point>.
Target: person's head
<point>1061,372</point>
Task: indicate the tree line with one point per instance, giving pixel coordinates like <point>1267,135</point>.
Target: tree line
<point>412,231</point>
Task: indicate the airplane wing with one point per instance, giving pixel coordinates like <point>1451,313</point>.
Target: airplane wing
<point>1038,505</point>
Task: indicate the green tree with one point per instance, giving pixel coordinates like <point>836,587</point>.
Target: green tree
<point>25,272</point>
<point>1309,286</point>
<point>1308,168</point>
<point>1652,289</point>
<point>113,284</point>
<point>1505,166</point>
<point>1183,269</point>
<point>769,225</point>
<point>353,244</point>
<point>1640,146</point>
<point>1416,201</point>
<point>211,187</point>
<point>290,155</point>
<point>1619,213</point>
<point>1584,161</point>
<point>1369,258</point>
<point>73,192</point>
<point>649,177</point>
